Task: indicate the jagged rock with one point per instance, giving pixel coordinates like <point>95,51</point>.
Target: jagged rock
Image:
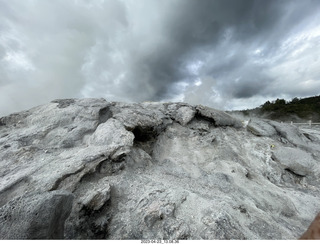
<point>154,171</point>
<point>141,116</point>
<point>219,118</point>
<point>96,196</point>
<point>36,216</point>
<point>182,114</point>
<point>261,128</point>
<point>111,134</point>
<point>292,134</point>
<point>217,226</point>
<point>296,160</point>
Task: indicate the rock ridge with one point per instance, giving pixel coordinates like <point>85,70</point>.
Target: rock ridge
<point>93,169</point>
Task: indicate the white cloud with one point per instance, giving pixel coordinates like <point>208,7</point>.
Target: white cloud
<point>17,61</point>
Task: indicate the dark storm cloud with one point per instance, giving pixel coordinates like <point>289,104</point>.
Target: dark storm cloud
<point>199,27</point>
<point>223,53</point>
<point>265,35</point>
<point>249,88</point>
<point>190,29</point>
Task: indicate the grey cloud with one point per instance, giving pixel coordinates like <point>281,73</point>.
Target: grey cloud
<point>249,88</point>
<point>55,36</point>
<point>142,50</point>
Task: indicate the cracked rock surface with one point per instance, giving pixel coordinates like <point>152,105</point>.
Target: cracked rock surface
<point>92,169</point>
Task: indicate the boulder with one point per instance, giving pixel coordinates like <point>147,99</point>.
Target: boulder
<point>219,118</point>
<point>181,113</point>
<point>296,160</point>
<point>111,134</point>
<point>261,128</point>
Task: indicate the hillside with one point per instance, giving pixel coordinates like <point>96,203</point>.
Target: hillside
<point>93,169</point>
<point>296,110</point>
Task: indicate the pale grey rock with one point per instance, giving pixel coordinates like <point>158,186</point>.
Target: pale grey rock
<point>261,128</point>
<point>219,118</point>
<point>215,228</point>
<point>157,171</point>
<point>199,125</point>
<point>138,159</point>
<point>296,160</point>
<point>111,134</point>
<point>181,113</point>
<point>36,216</point>
<point>140,116</point>
<point>292,134</point>
<point>185,115</point>
<point>265,230</point>
<point>96,196</point>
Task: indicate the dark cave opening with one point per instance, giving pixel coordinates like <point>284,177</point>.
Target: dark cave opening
<point>143,134</point>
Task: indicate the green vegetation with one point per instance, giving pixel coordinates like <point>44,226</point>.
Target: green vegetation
<point>295,110</point>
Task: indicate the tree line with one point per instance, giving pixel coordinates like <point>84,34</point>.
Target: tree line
<point>280,109</point>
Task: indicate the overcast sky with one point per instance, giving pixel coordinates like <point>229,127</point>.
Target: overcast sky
<point>228,54</point>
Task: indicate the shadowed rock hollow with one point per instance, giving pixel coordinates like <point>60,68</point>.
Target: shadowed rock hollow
<point>92,169</point>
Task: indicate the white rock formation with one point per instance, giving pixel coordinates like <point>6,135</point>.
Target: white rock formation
<point>92,169</point>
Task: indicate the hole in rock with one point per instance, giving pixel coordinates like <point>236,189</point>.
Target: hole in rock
<point>248,176</point>
<point>2,123</point>
<point>308,136</point>
<point>293,173</point>
<point>200,117</point>
<point>290,177</point>
<point>145,138</point>
<point>104,114</point>
<point>143,134</point>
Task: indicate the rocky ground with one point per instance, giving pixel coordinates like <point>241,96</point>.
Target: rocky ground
<point>92,169</point>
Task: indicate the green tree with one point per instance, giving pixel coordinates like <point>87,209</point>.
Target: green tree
<point>280,102</point>
<point>295,100</point>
